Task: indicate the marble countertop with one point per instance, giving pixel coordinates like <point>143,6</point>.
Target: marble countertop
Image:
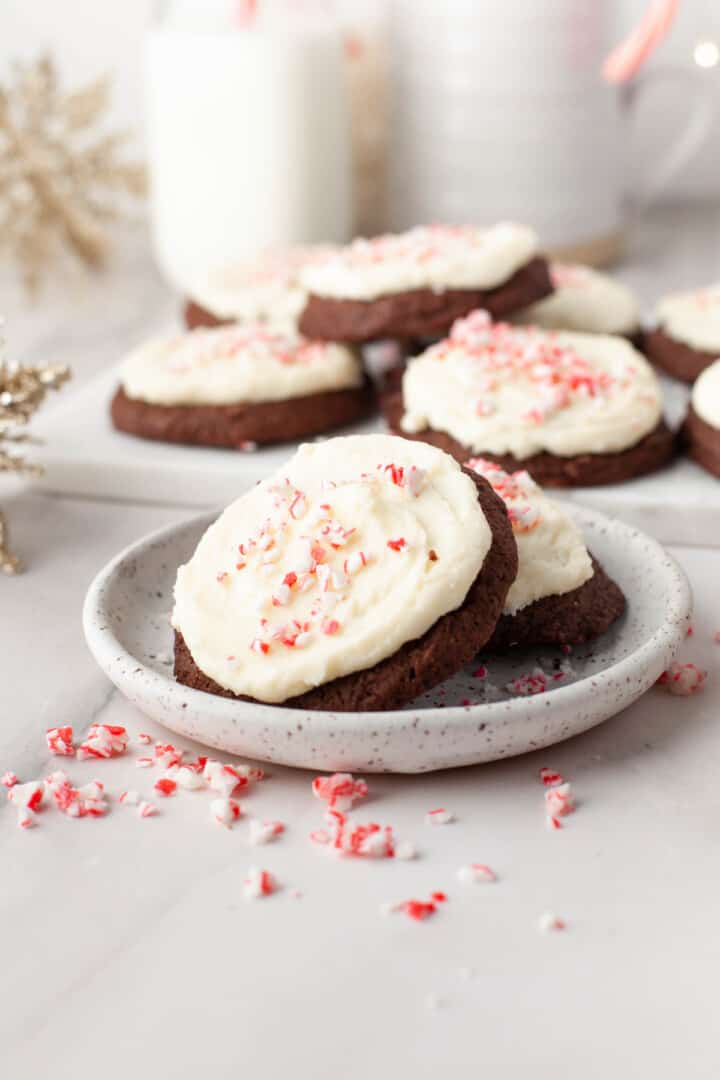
<point>129,949</point>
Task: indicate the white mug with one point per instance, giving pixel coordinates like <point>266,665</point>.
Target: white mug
<point>499,111</point>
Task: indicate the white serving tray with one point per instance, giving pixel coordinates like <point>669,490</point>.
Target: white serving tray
<point>84,456</point>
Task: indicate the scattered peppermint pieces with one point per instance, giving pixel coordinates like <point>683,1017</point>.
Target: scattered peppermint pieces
<point>549,922</point>
<point>340,791</point>
<point>60,741</point>
<point>475,873</point>
<point>683,679</point>
<point>225,811</point>
<point>264,832</point>
<point>259,883</point>
<point>441,816</point>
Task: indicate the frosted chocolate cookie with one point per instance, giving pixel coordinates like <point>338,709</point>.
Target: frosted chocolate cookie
<point>235,385</point>
<point>686,338</point>
<point>570,408</point>
<point>417,283</point>
<point>561,595</point>
<point>702,426</point>
<point>587,301</point>
<point>364,572</point>
<point>262,290</point>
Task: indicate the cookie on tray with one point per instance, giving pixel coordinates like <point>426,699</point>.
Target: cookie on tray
<point>686,336</point>
<point>702,425</point>
<point>572,409</point>
<point>415,284</point>
<point>561,595</point>
<point>587,301</point>
<point>235,385</point>
<point>265,289</point>
<point>367,570</point>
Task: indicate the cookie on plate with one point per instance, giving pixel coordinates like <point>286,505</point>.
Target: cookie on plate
<point>702,425</point>
<point>585,300</point>
<point>415,284</point>
<point>262,290</point>
<point>234,385</point>
<point>561,595</point>
<point>686,337</point>
<point>572,409</point>
<point>365,571</point>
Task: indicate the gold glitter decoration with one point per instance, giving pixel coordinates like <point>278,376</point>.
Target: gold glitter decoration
<point>22,391</point>
<point>61,179</point>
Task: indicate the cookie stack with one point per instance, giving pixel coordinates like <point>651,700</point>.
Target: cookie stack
<point>273,351</point>
<point>370,568</point>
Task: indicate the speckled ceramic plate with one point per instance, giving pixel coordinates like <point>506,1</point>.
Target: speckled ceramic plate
<point>473,717</point>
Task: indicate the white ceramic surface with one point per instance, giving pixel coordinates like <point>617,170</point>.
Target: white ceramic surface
<point>127,629</point>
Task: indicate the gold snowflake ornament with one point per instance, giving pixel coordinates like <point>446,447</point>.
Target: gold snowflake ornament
<point>61,179</point>
<point>22,391</point>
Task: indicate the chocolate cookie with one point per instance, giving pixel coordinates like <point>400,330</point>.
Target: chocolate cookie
<point>195,315</point>
<point>583,470</point>
<point>569,619</point>
<point>702,441</point>
<point>678,360</point>
<point>419,665</point>
<point>421,313</point>
<point>233,425</point>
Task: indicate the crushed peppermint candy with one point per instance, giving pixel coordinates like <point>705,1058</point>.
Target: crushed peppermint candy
<point>146,809</point>
<point>370,840</point>
<point>259,883</point>
<point>264,832</point>
<point>129,798</point>
<point>419,910</point>
<point>103,741</point>
<point>225,811</point>
<point>550,777</point>
<point>475,873</point>
<point>165,786</point>
<point>340,791</point>
<point>8,779</point>
<point>549,922</point>
<point>60,741</point>
<point>559,802</point>
<point>683,679</point>
<point>441,816</point>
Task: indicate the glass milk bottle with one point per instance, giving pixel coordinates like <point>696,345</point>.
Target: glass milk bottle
<point>248,131</point>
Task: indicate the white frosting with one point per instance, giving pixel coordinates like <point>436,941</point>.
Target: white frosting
<point>584,300</point>
<point>552,557</point>
<point>500,389</point>
<point>233,364</point>
<point>692,318</point>
<point>384,536</point>
<point>428,257</point>
<point>706,395</point>
<point>266,289</point>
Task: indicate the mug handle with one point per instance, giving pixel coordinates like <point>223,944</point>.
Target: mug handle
<point>690,139</point>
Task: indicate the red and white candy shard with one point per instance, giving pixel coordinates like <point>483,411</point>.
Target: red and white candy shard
<point>475,873</point>
<point>683,679</point>
<point>27,796</point>
<point>340,791</point>
<point>225,811</point>
<point>370,840</point>
<point>259,883</point>
<point>416,909</point>
<point>225,779</point>
<point>549,922</point>
<point>189,778</point>
<point>146,809</point>
<point>60,741</point>
<point>264,832</point>
<point>559,800</point>
<point>86,801</point>
<point>440,816</point>
<point>103,741</point>
<point>549,777</point>
<point>165,786</point>
<point>167,755</point>
<point>130,798</point>
<point>8,779</point>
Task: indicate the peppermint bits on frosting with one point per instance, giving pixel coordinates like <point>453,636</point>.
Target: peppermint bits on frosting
<point>322,569</point>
